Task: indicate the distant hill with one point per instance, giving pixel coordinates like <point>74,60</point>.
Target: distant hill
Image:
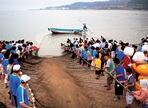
<point>139,4</point>
<point>112,4</point>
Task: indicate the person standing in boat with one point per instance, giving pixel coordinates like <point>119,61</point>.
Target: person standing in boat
<point>84,31</point>
<point>84,27</point>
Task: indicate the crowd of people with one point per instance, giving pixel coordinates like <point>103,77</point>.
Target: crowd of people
<point>114,58</point>
<point>111,57</point>
<point>11,56</point>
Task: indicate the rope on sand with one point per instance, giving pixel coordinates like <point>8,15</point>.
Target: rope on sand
<point>104,71</point>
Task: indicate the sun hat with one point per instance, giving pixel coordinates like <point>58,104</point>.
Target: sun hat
<point>129,51</point>
<point>145,43</point>
<point>25,78</point>
<point>16,67</point>
<point>144,48</point>
<point>3,50</point>
<point>138,57</point>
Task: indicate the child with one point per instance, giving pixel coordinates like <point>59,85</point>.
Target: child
<point>119,76</point>
<point>98,66</point>
<point>130,86</point>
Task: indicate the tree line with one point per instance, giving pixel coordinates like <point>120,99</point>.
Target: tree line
<point>139,4</point>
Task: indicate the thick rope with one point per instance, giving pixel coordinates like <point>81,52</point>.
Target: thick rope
<point>105,72</point>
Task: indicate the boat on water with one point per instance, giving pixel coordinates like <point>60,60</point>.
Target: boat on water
<point>65,31</point>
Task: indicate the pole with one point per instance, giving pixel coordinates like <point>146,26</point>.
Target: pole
<point>87,27</point>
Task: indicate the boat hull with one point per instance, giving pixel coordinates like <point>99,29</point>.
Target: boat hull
<point>65,31</point>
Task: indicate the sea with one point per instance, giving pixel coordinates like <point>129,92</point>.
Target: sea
<point>32,25</point>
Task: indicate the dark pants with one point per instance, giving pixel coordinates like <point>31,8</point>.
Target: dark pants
<point>118,88</point>
<point>15,100</point>
<point>84,61</point>
<point>73,55</point>
<point>80,60</point>
<point>145,105</point>
<point>89,63</point>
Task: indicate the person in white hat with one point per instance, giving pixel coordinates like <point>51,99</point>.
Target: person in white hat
<point>22,96</point>
<point>126,61</point>
<point>14,82</point>
<point>3,51</point>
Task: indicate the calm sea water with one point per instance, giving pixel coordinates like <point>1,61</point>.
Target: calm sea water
<point>129,26</point>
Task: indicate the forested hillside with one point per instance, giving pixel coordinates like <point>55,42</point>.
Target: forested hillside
<point>139,4</point>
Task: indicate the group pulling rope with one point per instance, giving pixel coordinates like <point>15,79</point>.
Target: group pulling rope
<point>99,55</point>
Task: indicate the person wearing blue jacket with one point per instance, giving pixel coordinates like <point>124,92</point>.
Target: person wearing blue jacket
<point>15,82</point>
<point>5,62</point>
<point>84,55</point>
<point>21,93</point>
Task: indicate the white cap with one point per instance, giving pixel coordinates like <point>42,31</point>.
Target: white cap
<point>138,57</point>
<point>16,67</point>
<point>145,43</point>
<point>3,50</point>
<point>25,78</point>
<point>145,48</point>
<point>129,51</point>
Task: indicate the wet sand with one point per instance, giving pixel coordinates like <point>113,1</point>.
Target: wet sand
<point>60,82</point>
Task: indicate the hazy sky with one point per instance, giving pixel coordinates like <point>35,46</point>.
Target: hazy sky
<point>29,4</point>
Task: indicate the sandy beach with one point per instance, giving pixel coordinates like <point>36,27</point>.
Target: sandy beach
<point>60,82</point>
